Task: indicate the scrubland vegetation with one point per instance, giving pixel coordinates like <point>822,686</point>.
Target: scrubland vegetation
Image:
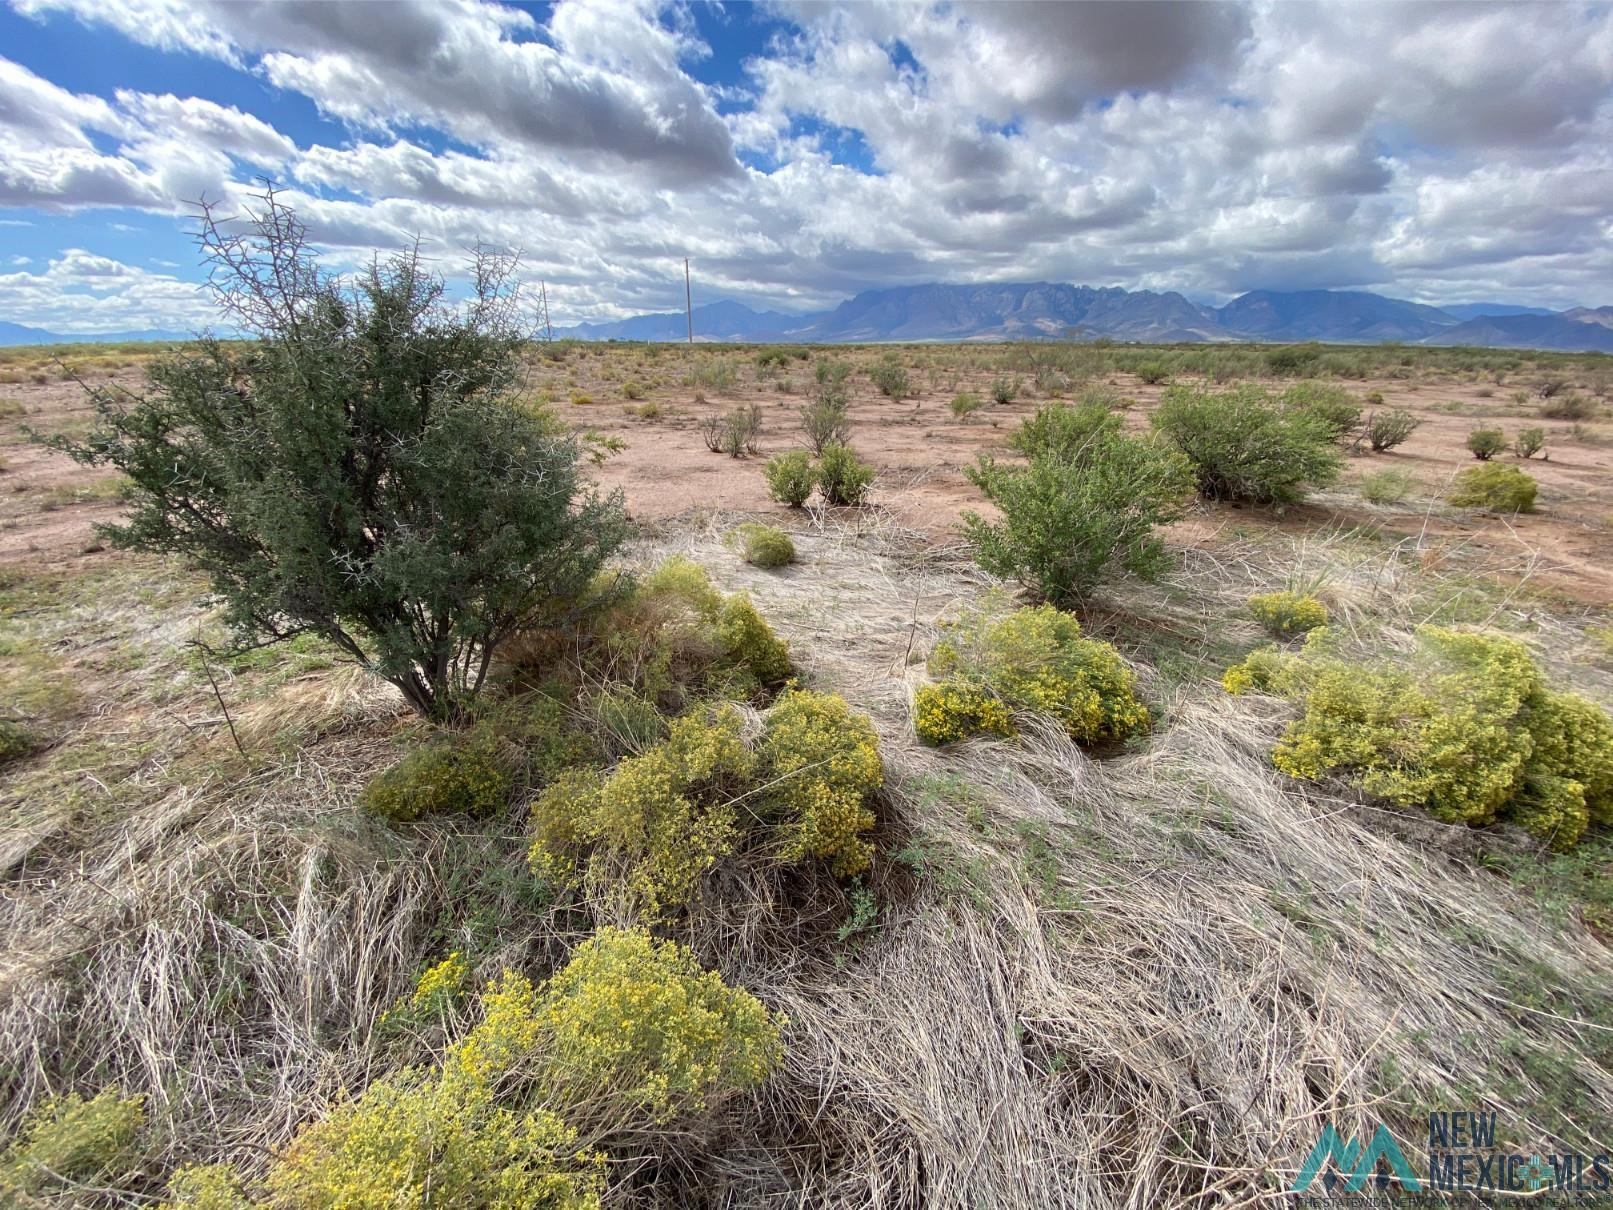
<point>1072,775</point>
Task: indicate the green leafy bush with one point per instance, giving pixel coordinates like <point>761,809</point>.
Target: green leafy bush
<point>1089,497</point>
<point>1244,448</point>
<point>1504,489</point>
<point>68,1138</point>
<point>964,403</point>
<point>825,419</point>
<point>843,478</point>
<point>1485,444</point>
<point>1529,442</point>
<point>790,478</point>
<point>1004,390</point>
<point>889,376</point>
<point>1031,659</point>
<point>1385,430</point>
<point>1468,731</point>
<point>455,774</point>
<point>360,468</point>
<point>1332,405</point>
<point>764,546</point>
<point>16,741</point>
<point>1286,613</point>
<point>1293,359</point>
<point>1153,372</point>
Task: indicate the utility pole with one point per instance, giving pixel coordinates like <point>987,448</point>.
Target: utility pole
<point>688,299</point>
<point>548,329</point>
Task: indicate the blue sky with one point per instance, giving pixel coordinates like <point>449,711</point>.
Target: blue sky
<point>798,153</point>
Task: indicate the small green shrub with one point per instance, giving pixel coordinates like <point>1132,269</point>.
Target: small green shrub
<point>68,1138</point>
<point>790,478</point>
<point>964,403</point>
<point>826,419</point>
<point>1286,614</point>
<point>454,774</point>
<point>632,390</point>
<point>1035,659</point>
<point>1292,360</point>
<point>1385,430</point>
<point>1088,498</point>
<point>1504,489</point>
<point>764,546</point>
<point>889,376</point>
<point>1153,372</point>
<point>1485,444</point>
<point>1568,407</point>
<point>1385,487</point>
<point>1245,449</point>
<point>205,1187</point>
<point>16,742</point>
<point>1332,405</point>
<point>1529,442</point>
<point>742,426</point>
<point>843,478</point>
<point>1005,390</point>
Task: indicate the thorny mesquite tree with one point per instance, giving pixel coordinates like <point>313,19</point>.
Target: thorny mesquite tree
<point>358,469</point>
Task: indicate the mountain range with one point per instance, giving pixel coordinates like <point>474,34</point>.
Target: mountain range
<point>18,334</point>
<point>1051,311</point>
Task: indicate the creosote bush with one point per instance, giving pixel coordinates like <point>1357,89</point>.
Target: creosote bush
<point>1504,489</point>
<point>1004,390</point>
<point>1243,448</point>
<point>70,1139</point>
<point>1089,497</point>
<point>1385,430</point>
<point>1529,442</point>
<point>1285,614</point>
<point>1332,405</point>
<point>453,774</point>
<point>1468,731</point>
<point>765,546</point>
<point>361,468</point>
<point>1485,444</point>
<point>843,477</point>
<point>790,477</point>
<point>890,377</point>
<point>964,403</point>
<point>1033,659</point>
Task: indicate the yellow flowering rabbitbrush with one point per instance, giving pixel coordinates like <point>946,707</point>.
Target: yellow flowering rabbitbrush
<point>1287,613</point>
<point>821,761</point>
<point>1033,659</point>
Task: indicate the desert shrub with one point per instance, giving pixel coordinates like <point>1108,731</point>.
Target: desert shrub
<point>1293,360</point>
<point>1375,398</point>
<point>1068,433</point>
<point>421,1139</point>
<point>956,710</point>
<point>1005,390</point>
<point>1035,659</point>
<point>1385,430</point>
<point>16,741</point>
<point>360,468</point>
<point>1095,497</point>
<point>1285,614</point>
<point>1529,442</point>
<point>632,1024</point>
<point>205,1187</point>
<point>764,546</point>
<point>820,761</point>
<point>831,372</point>
<point>843,478</point>
<point>1504,489</point>
<point>790,478</point>
<point>1153,372</point>
<point>625,722</point>
<point>1467,731</point>
<point>632,390</point>
<point>675,638</point>
<point>741,427</point>
<point>1568,407</point>
<point>647,832</point>
<point>1485,444</point>
<point>453,774</point>
<point>1385,487</point>
<point>70,1139</point>
<point>964,403</point>
<point>1333,405</point>
<point>825,420</point>
<point>713,431</point>
<point>1243,448</point>
<point>888,375</point>
<point>535,736</point>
